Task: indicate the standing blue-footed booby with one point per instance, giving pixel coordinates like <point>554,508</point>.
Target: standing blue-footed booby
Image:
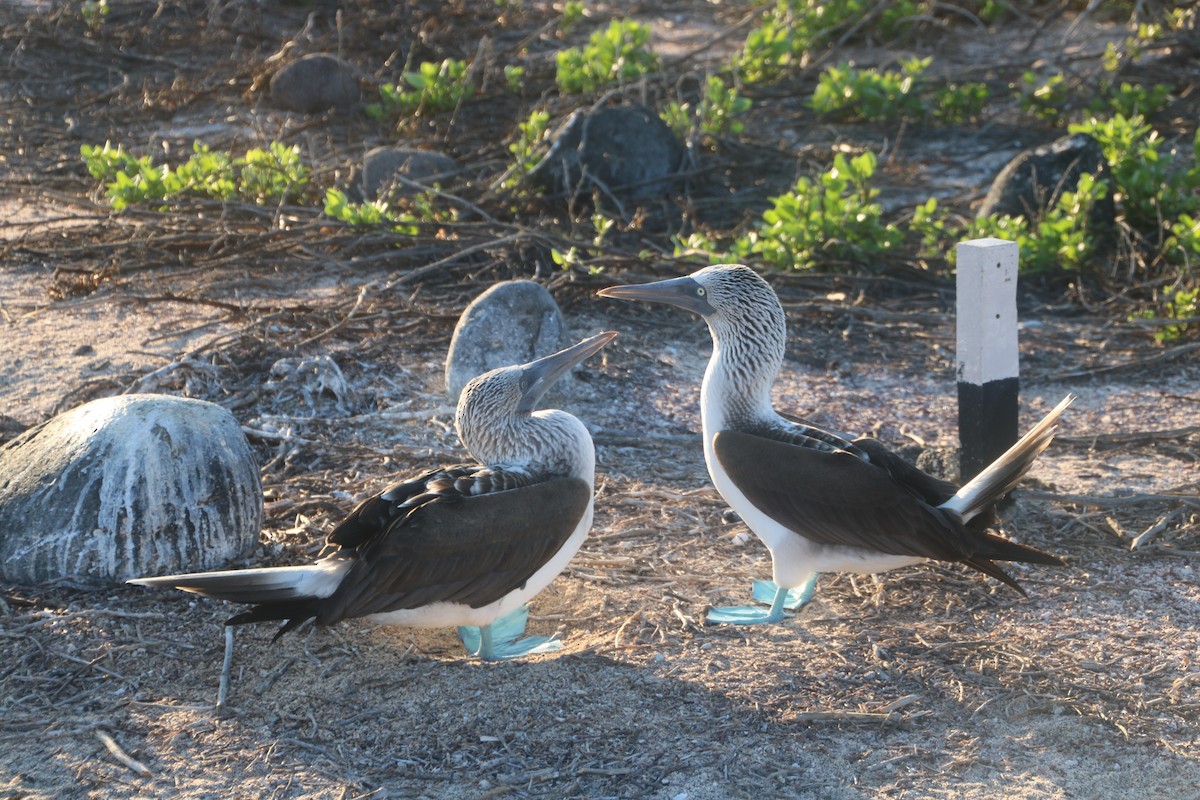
<point>819,501</point>
<point>466,545</point>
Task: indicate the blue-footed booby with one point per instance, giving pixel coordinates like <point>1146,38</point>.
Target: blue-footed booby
<point>465,545</point>
<point>819,501</point>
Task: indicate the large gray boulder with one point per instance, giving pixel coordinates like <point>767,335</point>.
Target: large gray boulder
<point>511,323</point>
<point>382,166</point>
<point>124,487</point>
<point>623,153</point>
<point>313,84</point>
<point>1034,180</point>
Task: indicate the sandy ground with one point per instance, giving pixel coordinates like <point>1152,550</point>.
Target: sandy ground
<point>929,682</point>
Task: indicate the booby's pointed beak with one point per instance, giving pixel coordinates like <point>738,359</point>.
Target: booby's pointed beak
<point>538,376</point>
<point>685,293</point>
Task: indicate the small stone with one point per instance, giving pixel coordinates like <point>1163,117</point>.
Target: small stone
<point>511,323</point>
<point>623,152</point>
<point>125,487</point>
<point>313,84</point>
<point>382,165</point>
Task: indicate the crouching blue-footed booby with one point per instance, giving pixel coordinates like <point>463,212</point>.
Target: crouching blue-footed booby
<point>819,501</point>
<point>465,545</point>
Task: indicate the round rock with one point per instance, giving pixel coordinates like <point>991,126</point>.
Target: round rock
<point>1033,181</point>
<point>382,166</point>
<point>313,84</point>
<point>511,323</point>
<point>619,151</point>
<point>126,487</point>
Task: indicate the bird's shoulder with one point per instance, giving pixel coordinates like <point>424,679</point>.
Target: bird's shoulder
<point>800,432</point>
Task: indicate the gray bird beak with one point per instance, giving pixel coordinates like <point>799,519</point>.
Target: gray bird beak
<point>540,375</point>
<point>685,293</point>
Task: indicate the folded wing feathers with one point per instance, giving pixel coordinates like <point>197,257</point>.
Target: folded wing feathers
<point>262,585</point>
<point>1002,474</point>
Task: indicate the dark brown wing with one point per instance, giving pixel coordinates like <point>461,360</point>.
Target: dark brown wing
<point>835,498</point>
<point>375,514</point>
<point>934,491</point>
<point>470,547</point>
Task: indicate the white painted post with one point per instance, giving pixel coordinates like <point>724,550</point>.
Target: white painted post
<point>988,372</point>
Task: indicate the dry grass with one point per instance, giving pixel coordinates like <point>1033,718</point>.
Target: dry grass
<point>929,682</point>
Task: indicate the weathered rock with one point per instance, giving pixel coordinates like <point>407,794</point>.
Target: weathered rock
<point>511,323</point>
<point>314,83</point>
<point>382,165</point>
<point>1033,181</point>
<point>621,152</point>
<point>127,486</point>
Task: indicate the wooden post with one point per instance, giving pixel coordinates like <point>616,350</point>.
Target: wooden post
<point>988,382</point>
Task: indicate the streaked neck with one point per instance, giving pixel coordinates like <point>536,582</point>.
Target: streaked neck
<point>736,392</point>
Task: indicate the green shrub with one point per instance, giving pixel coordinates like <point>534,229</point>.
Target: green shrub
<point>1153,187</point>
<point>274,175</point>
<point>526,149</point>
<point>94,13</point>
<point>870,94</point>
<point>1044,99</point>
<point>1128,100</point>
<point>835,215</point>
<point>432,88</point>
<point>716,113</point>
<point>1180,304</point>
<point>791,28</point>
<point>618,53</point>
<point>873,95</point>
<point>372,213</point>
<point>1062,239</point>
<point>572,13</point>
<point>269,176</point>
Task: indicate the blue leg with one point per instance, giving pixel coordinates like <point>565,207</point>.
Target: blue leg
<point>502,640</point>
<point>775,596</point>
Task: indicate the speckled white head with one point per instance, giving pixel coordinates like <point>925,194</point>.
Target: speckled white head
<point>497,418</point>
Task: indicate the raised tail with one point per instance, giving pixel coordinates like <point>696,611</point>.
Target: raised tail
<point>277,593</point>
<point>999,477</point>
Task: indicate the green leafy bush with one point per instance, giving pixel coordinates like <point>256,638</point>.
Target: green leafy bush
<point>94,13</point>
<point>1062,239</point>
<point>716,113</point>
<point>870,94</point>
<point>1152,186</point>
<point>274,175</point>
<point>1175,304</point>
<point>526,149</point>
<point>372,213</point>
<point>1129,100</point>
<point>1044,99</point>
<point>791,28</point>
<point>835,215</point>
<point>269,176</point>
<point>432,88</point>
<point>618,53</point>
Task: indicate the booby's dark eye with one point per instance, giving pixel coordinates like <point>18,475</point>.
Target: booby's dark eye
<point>700,291</point>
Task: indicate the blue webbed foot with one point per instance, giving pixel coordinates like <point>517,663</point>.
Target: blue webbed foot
<point>768,591</point>
<point>743,615</point>
<point>502,640</point>
<point>771,594</point>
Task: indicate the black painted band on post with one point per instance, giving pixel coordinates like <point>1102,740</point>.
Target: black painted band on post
<point>987,423</point>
